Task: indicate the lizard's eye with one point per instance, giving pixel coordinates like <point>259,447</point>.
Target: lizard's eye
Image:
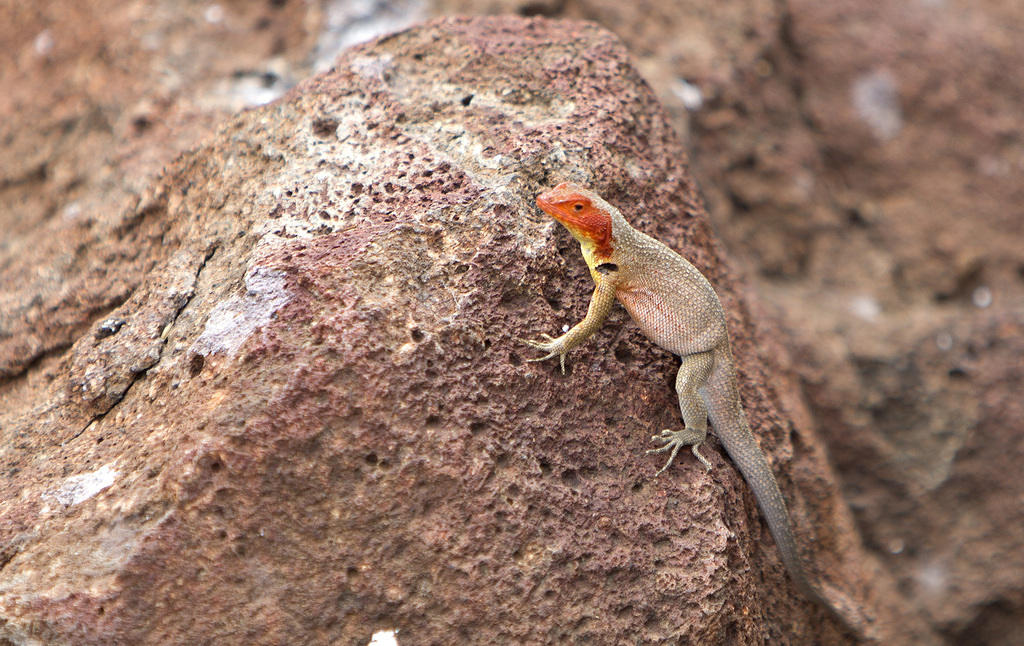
<point>577,207</point>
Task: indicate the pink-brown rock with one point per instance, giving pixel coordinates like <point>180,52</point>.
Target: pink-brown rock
<point>310,418</point>
<point>864,161</point>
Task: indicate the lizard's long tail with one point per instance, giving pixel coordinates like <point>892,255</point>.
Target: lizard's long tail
<point>729,423</point>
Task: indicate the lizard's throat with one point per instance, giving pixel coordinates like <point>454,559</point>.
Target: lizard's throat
<point>594,255</point>
<point>591,248</point>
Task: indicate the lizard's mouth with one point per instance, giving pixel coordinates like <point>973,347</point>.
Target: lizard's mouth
<point>563,215</point>
<point>545,205</point>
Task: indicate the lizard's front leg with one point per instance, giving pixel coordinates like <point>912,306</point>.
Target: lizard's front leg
<point>600,305</point>
<point>692,376</point>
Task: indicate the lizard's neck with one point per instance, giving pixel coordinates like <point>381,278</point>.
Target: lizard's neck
<point>589,251</point>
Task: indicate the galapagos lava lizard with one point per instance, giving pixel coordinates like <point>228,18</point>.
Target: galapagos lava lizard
<point>677,308</point>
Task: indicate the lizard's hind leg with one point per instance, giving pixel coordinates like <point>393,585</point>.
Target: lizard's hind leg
<point>692,376</point>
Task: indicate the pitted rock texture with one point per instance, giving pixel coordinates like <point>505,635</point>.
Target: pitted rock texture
<point>310,419</point>
<point>98,96</point>
<point>864,161</point>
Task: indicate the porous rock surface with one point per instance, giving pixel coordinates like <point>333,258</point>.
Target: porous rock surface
<point>310,419</point>
<point>865,162</point>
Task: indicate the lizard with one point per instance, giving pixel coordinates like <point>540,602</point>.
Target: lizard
<point>677,308</point>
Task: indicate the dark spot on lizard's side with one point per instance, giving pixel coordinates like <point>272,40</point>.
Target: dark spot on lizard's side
<point>607,268</point>
<point>466,100</point>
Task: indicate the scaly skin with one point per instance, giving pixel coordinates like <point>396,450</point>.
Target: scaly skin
<point>676,307</point>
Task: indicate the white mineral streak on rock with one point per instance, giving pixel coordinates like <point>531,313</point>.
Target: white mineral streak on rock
<point>689,94</point>
<point>80,488</point>
<point>232,322</point>
<point>384,638</point>
<point>349,22</point>
<point>876,99</point>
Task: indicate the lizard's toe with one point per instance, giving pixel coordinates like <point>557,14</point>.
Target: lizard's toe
<point>531,343</point>
<point>675,440</point>
<point>544,358</point>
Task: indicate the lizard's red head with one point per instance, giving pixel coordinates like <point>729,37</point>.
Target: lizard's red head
<point>576,209</point>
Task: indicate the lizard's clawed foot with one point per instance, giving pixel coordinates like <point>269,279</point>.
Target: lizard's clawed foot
<point>674,440</point>
<point>553,347</point>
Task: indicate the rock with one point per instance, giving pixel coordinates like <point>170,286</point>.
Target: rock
<point>97,100</point>
<point>938,492</point>
<point>309,419</point>
<point>863,160</point>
